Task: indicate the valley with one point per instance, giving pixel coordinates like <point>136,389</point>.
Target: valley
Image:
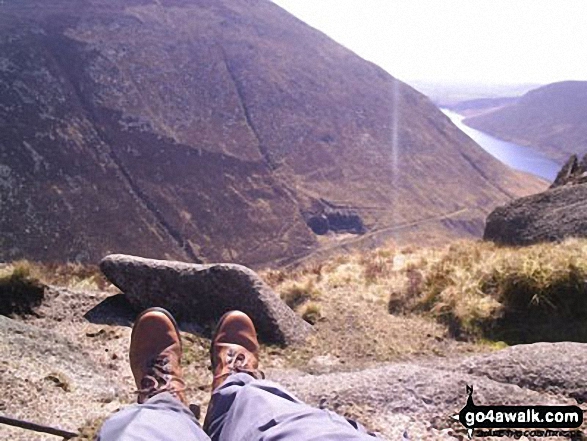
<point>224,154</point>
<point>123,133</point>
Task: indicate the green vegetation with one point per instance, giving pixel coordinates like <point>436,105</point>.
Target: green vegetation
<point>20,289</point>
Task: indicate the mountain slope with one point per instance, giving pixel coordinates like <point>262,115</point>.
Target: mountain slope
<point>214,130</point>
<point>551,118</point>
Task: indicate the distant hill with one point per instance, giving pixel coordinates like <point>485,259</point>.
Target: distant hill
<point>217,130</point>
<point>480,105</point>
<point>551,118</point>
<point>448,94</point>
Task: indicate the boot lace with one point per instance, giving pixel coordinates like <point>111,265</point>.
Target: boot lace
<point>236,362</point>
<point>159,379</point>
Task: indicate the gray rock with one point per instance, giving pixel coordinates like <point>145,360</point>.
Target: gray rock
<point>559,368</point>
<point>567,172</point>
<point>202,293</point>
<point>420,397</point>
<point>49,379</point>
<point>573,172</point>
<point>546,217</point>
<point>27,345</point>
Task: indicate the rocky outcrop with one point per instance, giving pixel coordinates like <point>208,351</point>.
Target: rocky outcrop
<point>202,293</point>
<point>573,172</point>
<point>531,367</point>
<point>337,220</point>
<point>58,369</point>
<point>420,397</point>
<point>553,215</point>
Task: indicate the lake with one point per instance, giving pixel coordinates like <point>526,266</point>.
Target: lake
<point>516,156</point>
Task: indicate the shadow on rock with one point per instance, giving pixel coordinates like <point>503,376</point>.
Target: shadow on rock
<point>117,310</point>
<point>114,310</point>
<point>515,330</point>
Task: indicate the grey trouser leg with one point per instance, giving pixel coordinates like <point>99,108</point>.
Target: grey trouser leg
<point>161,418</point>
<point>246,409</point>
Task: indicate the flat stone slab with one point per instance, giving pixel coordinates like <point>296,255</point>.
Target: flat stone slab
<point>420,397</point>
<point>49,378</point>
<point>556,368</point>
<point>202,293</point>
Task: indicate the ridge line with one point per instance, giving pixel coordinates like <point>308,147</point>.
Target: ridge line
<point>240,94</point>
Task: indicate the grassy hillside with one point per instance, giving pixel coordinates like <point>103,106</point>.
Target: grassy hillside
<point>551,118</point>
<point>401,301</point>
<point>478,290</point>
<point>478,106</point>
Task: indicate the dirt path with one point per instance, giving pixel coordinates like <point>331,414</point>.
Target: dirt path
<point>354,241</point>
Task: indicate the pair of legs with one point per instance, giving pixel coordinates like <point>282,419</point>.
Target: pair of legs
<point>244,406</point>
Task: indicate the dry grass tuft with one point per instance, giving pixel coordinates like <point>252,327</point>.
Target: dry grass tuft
<point>390,302</point>
<point>312,313</point>
<point>21,291</point>
<point>374,267</point>
<point>90,429</point>
<point>517,294</point>
<point>70,274</point>
<point>295,293</point>
<point>74,275</point>
<point>346,299</point>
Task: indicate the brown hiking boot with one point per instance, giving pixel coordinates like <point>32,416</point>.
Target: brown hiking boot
<point>234,348</point>
<point>155,355</point>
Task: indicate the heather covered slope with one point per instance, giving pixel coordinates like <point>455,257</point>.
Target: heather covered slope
<point>551,118</point>
<point>215,131</point>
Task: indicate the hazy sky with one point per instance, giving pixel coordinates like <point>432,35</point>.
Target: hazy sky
<point>492,41</point>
